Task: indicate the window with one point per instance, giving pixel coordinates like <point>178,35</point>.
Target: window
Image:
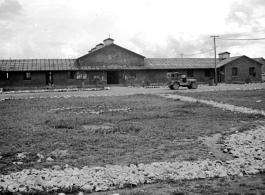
<point>81,75</point>
<point>252,71</point>
<point>189,73</point>
<point>151,74</point>
<point>27,76</point>
<point>70,75</point>
<point>207,73</point>
<point>4,76</point>
<point>234,71</point>
<point>133,74</point>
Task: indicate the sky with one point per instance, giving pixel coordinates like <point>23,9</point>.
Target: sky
<point>50,29</point>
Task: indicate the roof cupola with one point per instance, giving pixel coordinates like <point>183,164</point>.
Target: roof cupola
<point>108,41</point>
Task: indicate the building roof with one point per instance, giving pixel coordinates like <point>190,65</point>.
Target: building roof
<point>105,47</point>
<point>109,39</point>
<point>38,64</point>
<point>227,60</point>
<point>150,63</point>
<point>224,53</point>
<point>55,65</point>
<point>260,60</point>
<point>179,63</point>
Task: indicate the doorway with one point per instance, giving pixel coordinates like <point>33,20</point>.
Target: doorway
<point>49,78</point>
<point>113,77</point>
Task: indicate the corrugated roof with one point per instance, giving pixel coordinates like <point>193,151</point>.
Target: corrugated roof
<point>227,60</point>
<point>260,60</point>
<point>38,64</point>
<point>150,63</point>
<point>55,65</point>
<point>179,63</point>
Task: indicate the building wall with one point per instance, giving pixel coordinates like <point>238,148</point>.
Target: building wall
<point>112,56</point>
<point>17,79</point>
<point>243,64</point>
<point>159,76</point>
<point>60,78</point>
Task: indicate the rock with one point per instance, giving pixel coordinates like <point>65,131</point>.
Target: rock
<point>56,167</point>
<point>12,188</point>
<point>17,163</point>
<point>49,159</point>
<point>22,178</point>
<point>40,156</point>
<point>151,175</point>
<point>59,153</point>
<point>21,155</point>
<point>49,184</point>
<point>39,181</point>
<point>22,188</point>
<point>87,187</point>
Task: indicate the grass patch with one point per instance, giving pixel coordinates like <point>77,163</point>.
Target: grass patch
<point>250,99</point>
<point>151,131</point>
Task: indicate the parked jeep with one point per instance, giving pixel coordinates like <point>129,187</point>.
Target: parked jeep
<point>176,80</point>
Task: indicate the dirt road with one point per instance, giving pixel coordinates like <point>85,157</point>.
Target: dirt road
<point>130,90</point>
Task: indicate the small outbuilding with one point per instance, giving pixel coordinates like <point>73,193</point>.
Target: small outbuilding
<point>239,69</point>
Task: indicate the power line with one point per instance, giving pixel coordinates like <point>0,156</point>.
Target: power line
<point>197,53</point>
<point>255,39</point>
<point>178,51</point>
<point>242,33</point>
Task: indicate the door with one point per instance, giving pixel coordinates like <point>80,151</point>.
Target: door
<point>221,74</point>
<point>49,78</point>
<point>113,77</point>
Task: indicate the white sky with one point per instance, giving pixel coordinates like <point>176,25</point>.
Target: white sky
<point>34,29</point>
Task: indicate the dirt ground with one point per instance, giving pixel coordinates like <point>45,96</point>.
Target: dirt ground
<point>250,185</point>
<point>132,90</point>
<point>247,185</point>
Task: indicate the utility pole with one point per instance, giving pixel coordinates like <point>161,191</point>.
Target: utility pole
<point>215,71</point>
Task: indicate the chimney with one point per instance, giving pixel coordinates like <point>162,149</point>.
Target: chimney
<point>224,55</point>
<point>98,46</point>
<point>108,41</point>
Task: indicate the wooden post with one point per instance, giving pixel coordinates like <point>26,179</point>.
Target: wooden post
<point>215,71</point>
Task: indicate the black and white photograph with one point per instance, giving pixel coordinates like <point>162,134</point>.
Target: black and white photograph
<point>132,97</point>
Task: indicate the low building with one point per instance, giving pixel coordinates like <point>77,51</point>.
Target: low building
<point>239,69</point>
<point>115,65</point>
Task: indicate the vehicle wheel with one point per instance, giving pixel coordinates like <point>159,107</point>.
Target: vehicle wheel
<point>176,86</point>
<point>171,87</point>
<point>194,85</point>
<point>189,87</point>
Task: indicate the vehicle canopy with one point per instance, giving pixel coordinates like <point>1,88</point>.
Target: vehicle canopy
<point>175,75</point>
